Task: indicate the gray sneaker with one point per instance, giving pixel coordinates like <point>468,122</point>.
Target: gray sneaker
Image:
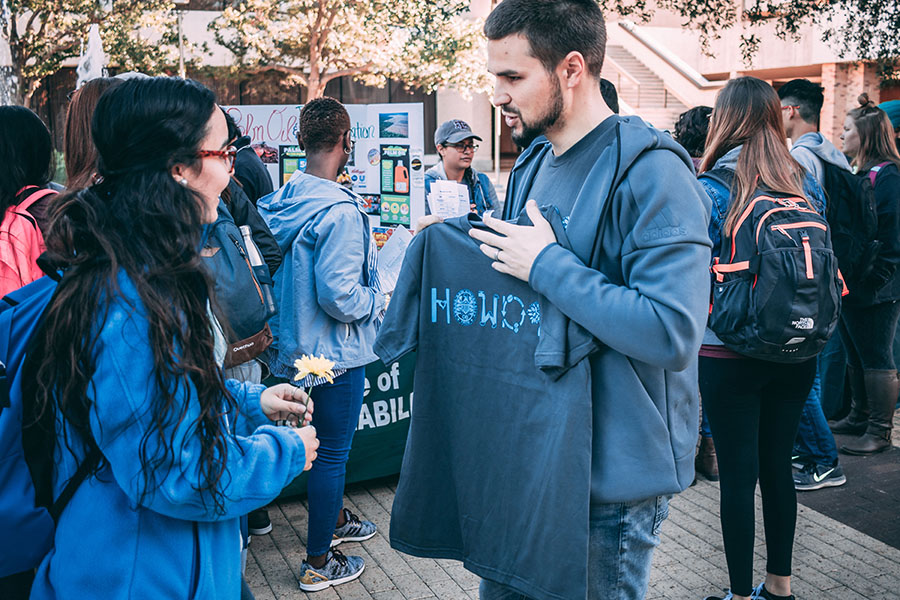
<point>814,477</point>
<point>338,569</point>
<point>354,530</point>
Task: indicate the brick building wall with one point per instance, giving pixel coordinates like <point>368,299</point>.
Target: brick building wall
<point>843,83</point>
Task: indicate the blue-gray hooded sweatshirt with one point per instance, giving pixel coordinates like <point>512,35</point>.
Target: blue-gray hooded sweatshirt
<point>639,282</point>
<point>325,303</point>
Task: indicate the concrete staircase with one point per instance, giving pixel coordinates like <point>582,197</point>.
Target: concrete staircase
<point>641,88</point>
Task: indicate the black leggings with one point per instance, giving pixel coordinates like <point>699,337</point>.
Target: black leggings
<point>754,409</point>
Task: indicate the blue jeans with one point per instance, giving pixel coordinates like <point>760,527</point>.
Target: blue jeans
<point>704,423</point>
<point>814,441</point>
<point>832,366</point>
<point>335,417</point>
<point>620,550</point>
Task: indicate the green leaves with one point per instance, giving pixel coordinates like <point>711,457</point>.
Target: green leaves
<point>138,35</point>
<point>429,44</point>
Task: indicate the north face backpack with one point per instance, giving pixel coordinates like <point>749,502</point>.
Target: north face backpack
<point>241,298</point>
<point>776,290</point>
<point>21,242</point>
<point>853,219</point>
<point>28,511</point>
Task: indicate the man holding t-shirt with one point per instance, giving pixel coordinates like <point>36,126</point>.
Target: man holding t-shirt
<point>636,276</point>
<point>546,464</point>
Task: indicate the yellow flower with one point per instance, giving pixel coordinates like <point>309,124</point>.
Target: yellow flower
<point>314,365</point>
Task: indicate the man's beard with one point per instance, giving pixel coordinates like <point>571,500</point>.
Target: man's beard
<point>530,131</point>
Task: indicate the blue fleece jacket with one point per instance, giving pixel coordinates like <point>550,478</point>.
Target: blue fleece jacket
<point>639,282</point>
<point>325,304</point>
<point>115,542</point>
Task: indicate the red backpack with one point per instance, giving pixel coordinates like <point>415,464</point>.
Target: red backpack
<point>21,242</point>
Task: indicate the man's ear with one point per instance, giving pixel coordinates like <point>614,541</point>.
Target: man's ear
<point>573,68</point>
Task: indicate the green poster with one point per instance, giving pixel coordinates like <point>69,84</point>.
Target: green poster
<point>383,424</point>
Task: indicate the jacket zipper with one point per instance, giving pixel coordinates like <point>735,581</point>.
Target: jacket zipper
<point>784,227</point>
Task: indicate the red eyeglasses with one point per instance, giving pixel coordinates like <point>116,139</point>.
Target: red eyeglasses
<point>227,155</point>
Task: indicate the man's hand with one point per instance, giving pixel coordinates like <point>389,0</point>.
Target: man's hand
<point>285,402</point>
<point>515,253</point>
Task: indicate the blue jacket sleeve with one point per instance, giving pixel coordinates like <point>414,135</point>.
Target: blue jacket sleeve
<point>257,467</point>
<point>813,191</point>
<point>340,257</point>
<point>428,180</point>
<point>250,414</point>
<point>718,196</point>
<point>658,314</point>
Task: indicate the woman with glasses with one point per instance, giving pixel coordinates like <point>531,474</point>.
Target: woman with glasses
<point>329,302</point>
<point>125,367</point>
<point>870,313</point>
<point>457,146</point>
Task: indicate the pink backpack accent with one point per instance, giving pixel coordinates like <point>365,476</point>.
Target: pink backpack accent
<point>21,242</point>
<point>873,172</point>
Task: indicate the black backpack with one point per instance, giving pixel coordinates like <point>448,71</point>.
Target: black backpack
<point>853,218</point>
<point>776,290</point>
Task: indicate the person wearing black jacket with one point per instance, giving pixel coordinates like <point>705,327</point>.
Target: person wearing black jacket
<point>871,311</point>
<point>245,213</point>
<point>248,167</point>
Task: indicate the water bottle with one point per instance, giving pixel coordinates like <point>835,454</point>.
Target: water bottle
<point>256,261</point>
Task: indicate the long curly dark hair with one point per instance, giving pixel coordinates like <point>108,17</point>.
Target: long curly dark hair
<point>140,223</point>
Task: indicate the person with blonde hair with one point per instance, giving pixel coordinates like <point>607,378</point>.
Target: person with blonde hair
<point>869,317</point>
<point>753,406</point>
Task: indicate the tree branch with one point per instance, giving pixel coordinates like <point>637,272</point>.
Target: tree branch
<point>323,39</point>
<point>299,73</point>
<point>344,72</point>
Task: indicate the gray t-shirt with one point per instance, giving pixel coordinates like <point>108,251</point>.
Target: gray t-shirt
<point>560,178</point>
<point>496,471</point>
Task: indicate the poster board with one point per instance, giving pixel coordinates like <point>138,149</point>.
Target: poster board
<point>386,166</point>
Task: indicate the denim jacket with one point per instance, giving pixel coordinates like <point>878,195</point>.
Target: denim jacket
<point>327,304</point>
<point>721,197</point>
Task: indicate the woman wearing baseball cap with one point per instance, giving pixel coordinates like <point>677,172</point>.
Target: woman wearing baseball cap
<point>457,146</point>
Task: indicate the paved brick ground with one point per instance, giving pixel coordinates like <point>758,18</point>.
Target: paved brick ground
<point>832,561</point>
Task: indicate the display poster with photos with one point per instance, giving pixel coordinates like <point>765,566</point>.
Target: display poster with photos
<point>290,159</point>
<point>393,191</point>
<point>395,188</point>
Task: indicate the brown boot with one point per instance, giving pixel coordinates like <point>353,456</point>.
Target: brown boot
<point>857,420</point>
<point>882,387</point>
<point>705,463</point>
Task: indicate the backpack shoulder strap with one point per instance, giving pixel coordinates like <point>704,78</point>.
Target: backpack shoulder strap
<point>873,172</point>
<point>90,462</point>
<point>32,198</point>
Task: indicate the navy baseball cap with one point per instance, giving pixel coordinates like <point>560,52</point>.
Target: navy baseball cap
<point>453,132</point>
